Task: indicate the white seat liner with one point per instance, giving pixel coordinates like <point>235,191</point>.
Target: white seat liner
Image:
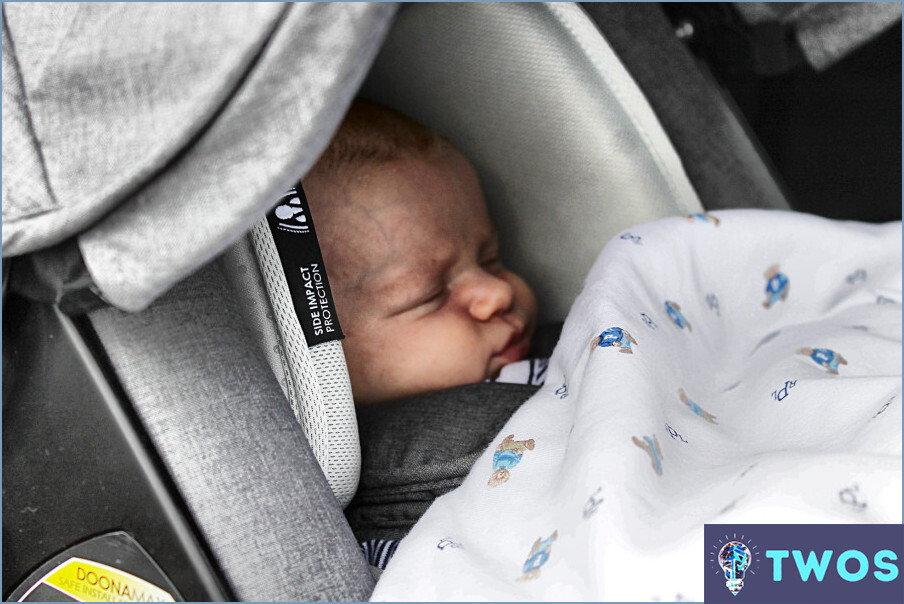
<point>569,151</point>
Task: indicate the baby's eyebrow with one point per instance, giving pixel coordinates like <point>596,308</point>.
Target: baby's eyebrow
<point>402,289</point>
<point>490,240</point>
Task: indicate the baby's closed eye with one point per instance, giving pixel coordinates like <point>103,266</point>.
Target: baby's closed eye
<point>488,258</point>
<point>492,264</point>
<point>429,300</point>
<point>435,297</point>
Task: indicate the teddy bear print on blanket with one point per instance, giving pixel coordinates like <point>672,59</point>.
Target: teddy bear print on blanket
<point>737,367</point>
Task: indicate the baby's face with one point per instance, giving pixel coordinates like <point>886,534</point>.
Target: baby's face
<point>414,264</point>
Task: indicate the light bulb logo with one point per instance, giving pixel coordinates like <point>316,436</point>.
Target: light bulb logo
<point>734,558</point>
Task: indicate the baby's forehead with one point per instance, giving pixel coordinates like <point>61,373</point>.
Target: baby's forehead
<point>403,215</point>
<point>370,226</point>
<point>372,242</point>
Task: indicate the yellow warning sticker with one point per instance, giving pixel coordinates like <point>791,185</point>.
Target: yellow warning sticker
<point>89,581</point>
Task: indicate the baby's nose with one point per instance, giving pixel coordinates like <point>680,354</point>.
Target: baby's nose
<point>487,295</point>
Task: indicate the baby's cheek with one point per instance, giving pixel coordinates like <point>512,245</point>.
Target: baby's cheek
<point>403,359</point>
<point>453,352</point>
<point>372,351</point>
<point>525,295</point>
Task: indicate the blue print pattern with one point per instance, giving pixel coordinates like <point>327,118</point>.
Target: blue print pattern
<point>704,217</point>
<point>768,363</point>
<point>538,556</point>
<point>652,448</point>
<point>614,336</point>
<point>674,312</point>
<point>825,358</point>
<point>697,409</point>
<point>777,285</point>
<point>508,455</point>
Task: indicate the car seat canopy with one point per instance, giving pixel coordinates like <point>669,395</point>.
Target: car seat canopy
<point>158,146</point>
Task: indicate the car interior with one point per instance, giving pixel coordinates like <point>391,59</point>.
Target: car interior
<point>179,429</point>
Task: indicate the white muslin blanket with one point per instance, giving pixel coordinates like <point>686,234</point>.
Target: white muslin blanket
<point>737,367</point>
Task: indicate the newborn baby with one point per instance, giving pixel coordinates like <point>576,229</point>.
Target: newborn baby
<point>413,260</point>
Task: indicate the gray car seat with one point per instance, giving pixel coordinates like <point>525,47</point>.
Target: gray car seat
<point>140,142</point>
<point>231,436</point>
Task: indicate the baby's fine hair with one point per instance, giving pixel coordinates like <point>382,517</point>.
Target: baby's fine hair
<point>371,134</point>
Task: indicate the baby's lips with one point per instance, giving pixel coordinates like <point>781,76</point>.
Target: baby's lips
<point>515,349</point>
<point>517,332</point>
<point>520,325</point>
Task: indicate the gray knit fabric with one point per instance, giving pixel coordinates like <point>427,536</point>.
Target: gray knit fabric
<point>221,424</point>
<point>314,380</point>
<point>416,449</point>
<point>826,31</point>
<point>162,131</point>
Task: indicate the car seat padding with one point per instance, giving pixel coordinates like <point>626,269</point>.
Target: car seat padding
<point>314,380</point>
<point>204,393</point>
<point>716,148</point>
<point>418,448</point>
<point>569,152</point>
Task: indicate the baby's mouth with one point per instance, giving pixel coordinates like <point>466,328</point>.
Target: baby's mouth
<point>515,349</point>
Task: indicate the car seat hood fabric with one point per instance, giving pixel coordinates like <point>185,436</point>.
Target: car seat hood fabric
<point>159,133</point>
<point>826,31</point>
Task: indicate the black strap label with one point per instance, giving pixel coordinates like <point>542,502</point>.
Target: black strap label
<point>296,242</point>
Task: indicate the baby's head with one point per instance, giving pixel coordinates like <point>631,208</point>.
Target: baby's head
<point>413,260</point>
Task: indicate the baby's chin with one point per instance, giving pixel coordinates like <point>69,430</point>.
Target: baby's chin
<point>492,374</point>
<point>409,390</point>
<point>489,371</point>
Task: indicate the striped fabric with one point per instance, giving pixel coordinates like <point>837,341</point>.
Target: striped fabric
<point>379,551</point>
<point>529,371</point>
